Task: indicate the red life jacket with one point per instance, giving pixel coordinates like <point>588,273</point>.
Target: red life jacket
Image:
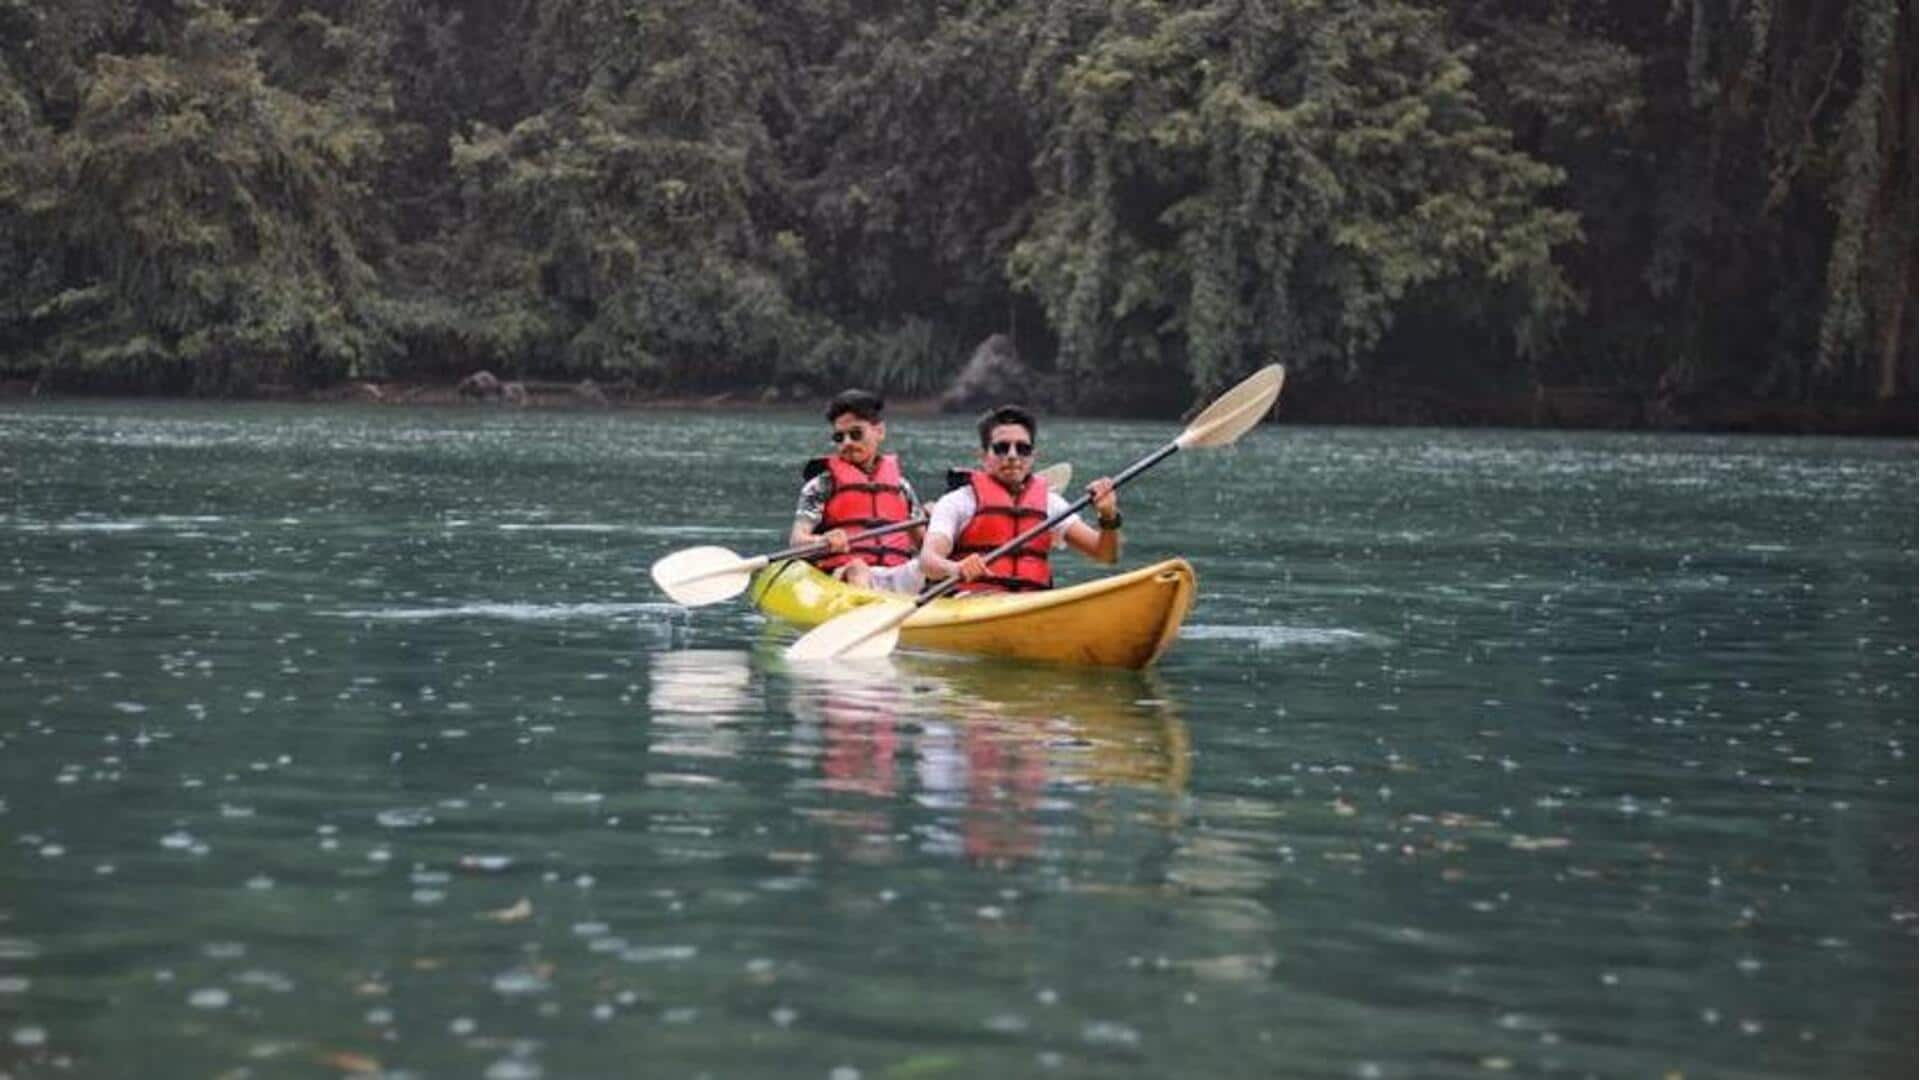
<point>997,518</point>
<point>857,502</point>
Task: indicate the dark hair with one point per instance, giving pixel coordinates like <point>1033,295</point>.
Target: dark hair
<point>1006,414</point>
<point>862,403</point>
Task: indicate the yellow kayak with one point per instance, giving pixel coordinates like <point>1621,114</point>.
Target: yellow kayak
<point>1126,620</point>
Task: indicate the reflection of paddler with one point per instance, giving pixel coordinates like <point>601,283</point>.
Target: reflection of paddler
<point>983,742</point>
<point>849,712</point>
<point>854,710</point>
<point>1098,726</point>
<point>992,771</point>
<point>861,744</point>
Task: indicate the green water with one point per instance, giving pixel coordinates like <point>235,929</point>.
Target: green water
<point>340,739</point>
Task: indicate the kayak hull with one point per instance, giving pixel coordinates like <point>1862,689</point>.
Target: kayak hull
<point>1126,620</point>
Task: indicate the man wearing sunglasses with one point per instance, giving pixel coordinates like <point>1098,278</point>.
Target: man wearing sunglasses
<point>855,489</point>
<point>1003,499</point>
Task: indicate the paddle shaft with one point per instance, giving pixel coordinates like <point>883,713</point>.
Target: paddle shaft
<point>952,582</point>
<point>808,551</point>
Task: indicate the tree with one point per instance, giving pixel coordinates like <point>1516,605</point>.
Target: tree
<point>196,227</point>
<point>1231,181</point>
<point>912,172</point>
<point>1750,202</point>
<point>621,225</point>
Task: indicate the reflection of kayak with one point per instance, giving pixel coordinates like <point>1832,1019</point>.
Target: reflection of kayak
<point>1099,725</point>
<point>1103,726</point>
<point>1126,620</point>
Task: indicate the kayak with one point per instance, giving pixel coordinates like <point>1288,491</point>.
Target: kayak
<point>1126,620</point>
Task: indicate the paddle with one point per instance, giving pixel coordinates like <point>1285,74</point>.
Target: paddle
<point>693,577</point>
<point>874,629</point>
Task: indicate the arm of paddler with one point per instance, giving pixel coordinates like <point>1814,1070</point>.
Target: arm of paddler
<point>949,516</point>
<point>802,533</point>
<point>937,567</point>
<point>808,514</point>
<point>1102,545</point>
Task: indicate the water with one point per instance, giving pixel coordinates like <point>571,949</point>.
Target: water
<point>338,740</point>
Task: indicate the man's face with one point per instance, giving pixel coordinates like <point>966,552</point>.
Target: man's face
<point>856,440</point>
<point>1008,456</point>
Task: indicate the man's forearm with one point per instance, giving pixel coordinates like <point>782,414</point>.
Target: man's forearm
<point>933,558</point>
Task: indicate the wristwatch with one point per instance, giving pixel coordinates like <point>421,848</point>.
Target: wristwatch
<point>1110,524</point>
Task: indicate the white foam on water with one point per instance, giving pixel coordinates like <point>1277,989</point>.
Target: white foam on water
<point>702,530</point>
<point>111,525</point>
<point>562,527</point>
<point>511,612</point>
<point>87,526</point>
<point>1273,637</point>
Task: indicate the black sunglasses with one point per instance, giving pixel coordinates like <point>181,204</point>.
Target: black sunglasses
<point>856,433</point>
<point>1004,448</point>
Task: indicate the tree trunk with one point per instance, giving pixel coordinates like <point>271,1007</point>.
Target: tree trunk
<point>1893,331</point>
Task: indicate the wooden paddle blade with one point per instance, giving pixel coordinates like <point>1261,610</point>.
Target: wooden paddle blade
<point>865,633</point>
<point>703,575</point>
<point>1235,412</point>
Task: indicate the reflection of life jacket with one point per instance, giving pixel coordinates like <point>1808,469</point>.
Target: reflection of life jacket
<point>860,747</point>
<point>857,502</point>
<point>997,518</point>
<point>1006,776</point>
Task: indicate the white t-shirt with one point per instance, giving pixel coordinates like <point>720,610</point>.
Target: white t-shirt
<point>954,509</point>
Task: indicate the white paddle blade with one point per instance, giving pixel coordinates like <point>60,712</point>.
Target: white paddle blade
<point>703,575</point>
<point>1236,411</point>
<point>865,633</point>
<point>1057,476</point>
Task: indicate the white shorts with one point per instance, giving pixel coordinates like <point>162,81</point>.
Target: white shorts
<point>905,578</point>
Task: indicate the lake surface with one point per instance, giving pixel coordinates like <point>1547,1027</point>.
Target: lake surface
<point>340,740</point>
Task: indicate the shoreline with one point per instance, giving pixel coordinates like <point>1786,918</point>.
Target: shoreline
<point>1307,404</point>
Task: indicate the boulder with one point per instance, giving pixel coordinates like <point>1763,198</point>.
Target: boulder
<point>480,385</point>
<point>995,375</point>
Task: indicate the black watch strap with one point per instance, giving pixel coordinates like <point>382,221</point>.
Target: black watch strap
<point>1110,524</point>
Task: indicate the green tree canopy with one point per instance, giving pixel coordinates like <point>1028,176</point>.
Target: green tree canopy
<point>1232,181</point>
<point>1674,203</point>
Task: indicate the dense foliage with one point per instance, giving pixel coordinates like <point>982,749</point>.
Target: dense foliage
<point>1678,201</point>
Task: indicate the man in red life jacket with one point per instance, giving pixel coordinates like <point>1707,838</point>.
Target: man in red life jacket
<point>1001,500</point>
<point>855,489</point>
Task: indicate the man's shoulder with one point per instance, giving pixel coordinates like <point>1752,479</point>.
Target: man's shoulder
<point>951,511</point>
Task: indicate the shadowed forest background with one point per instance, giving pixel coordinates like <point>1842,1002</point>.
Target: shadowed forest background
<point>1665,213</point>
